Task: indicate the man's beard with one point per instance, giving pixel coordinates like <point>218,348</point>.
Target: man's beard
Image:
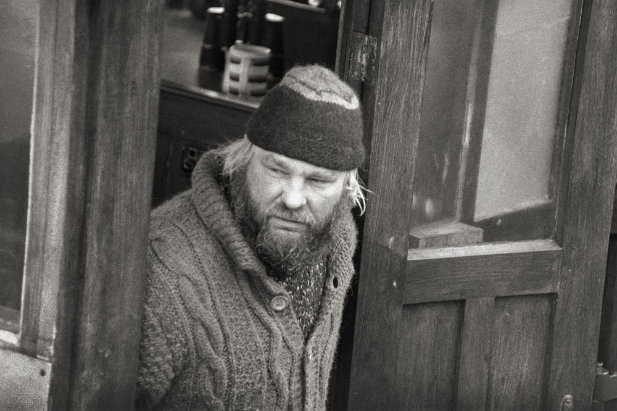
<point>284,255</point>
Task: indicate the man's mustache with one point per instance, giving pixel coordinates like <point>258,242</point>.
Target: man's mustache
<point>300,216</point>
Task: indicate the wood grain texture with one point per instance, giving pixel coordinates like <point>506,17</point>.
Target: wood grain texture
<point>475,354</point>
<point>587,208</point>
<point>479,275</point>
<point>518,370</point>
<point>444,234</point>
<point>607,348</point>
<point>93,155</point>
<point>428,354</point>
<point>393,111</point>
<point>39,194</point>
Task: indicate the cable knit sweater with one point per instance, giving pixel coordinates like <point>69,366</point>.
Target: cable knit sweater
<point>219,333</point>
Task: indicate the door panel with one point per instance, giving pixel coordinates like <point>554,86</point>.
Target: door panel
<point>455,322</point>
<point>518,372</point>
<point>428,353</point>
<point>477,271</point>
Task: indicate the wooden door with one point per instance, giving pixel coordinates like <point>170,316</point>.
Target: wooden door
<point>493,161</point>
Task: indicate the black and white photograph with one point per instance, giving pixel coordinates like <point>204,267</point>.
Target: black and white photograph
<point>308,205</point>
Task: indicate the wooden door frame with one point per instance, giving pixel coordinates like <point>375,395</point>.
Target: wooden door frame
<point>593,124</point>
<point>91,169</point>
<point>591,144</point>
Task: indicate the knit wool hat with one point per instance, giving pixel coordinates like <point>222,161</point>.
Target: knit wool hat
<point>313,116</point>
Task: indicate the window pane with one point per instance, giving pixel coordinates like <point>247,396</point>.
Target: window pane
<point>18,24</point>
<point>522,105</point>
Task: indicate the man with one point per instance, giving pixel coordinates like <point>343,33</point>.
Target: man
<point>248,270</point>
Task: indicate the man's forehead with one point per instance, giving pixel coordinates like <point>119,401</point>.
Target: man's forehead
<point>294,163</point>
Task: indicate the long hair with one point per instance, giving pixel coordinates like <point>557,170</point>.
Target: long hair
<point>237,154</point>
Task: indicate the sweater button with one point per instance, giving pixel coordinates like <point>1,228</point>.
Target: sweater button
<point>279,303</point>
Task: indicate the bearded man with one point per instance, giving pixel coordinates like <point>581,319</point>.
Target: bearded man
<point>248,270</point>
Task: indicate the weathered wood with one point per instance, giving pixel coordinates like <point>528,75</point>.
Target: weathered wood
<point>587,208</point>
<point>614,218</point>
<point>480,271</point>
<point>475,354</point>
<point>39,186</point>
<point>428,354</point>
<point>444,234</point>
<point>607,347</point>
<point>518,370</point>
<point>393,108</point>
<point>93,151</point>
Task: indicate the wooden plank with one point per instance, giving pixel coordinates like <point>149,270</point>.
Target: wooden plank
<point>39,180</point>
<point>587,207</point>
<point>475,354</point>
<point>607,347</point>
<point>614,217</point>
<point>122,90</point>
<point>483,249</point>
<point>24,382</point>
<point>392,109</point>
<point>428,354</point>
<point>532,271</point>
<point>93,151</point>
<point>444,234</point>
<point>518,369</point>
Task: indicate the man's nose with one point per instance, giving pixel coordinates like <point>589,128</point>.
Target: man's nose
<point>294,196</point>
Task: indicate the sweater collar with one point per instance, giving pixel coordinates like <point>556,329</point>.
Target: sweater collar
<point>213,207</point>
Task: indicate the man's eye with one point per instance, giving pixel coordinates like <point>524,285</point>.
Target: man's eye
<point>318,180</point>
<point>275,170</point>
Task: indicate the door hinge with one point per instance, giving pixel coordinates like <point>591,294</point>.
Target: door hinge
<point>605,388</point>
<point>363,57</point>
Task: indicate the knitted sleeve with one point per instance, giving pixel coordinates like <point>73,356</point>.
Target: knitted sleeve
<point>163,342</point>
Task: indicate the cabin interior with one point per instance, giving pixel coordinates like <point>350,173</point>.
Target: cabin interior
<point>528,72</point>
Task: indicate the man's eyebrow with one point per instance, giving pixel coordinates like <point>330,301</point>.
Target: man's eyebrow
<point>318,171</point>
<point>272,159</point>
<point>323,173</point>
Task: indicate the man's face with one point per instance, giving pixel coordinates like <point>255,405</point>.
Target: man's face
<point>292,201</point>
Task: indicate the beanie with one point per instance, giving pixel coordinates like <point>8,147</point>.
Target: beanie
<point>313,116</point>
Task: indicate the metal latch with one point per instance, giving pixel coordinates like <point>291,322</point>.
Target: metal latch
<point>605,388</point>
<point>363,57</point>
